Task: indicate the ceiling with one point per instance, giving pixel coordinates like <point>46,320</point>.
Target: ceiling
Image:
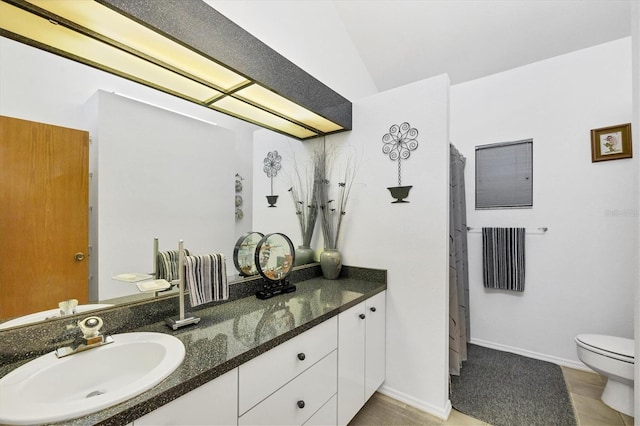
<point>402,41</point>
<point>405,41</point>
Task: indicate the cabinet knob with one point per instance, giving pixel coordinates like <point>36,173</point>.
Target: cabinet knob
<point>301,356</point>
<point>372,309</point>
<point>301,404</point>
<point>362,316</point>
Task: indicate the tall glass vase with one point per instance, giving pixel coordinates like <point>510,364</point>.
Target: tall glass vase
<point>331,263</point>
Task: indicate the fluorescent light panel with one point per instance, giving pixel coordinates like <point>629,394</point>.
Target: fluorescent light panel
<point>117,27</point>
<point>256,115</point>
<point>259,95</point>
<point>63,39</point>
<point>129,49</point>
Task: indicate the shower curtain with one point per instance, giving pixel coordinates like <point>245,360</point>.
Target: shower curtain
<point>458,264</point>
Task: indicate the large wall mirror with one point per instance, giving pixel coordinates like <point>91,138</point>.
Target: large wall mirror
<point>155,172</point>
<point>160,168</point>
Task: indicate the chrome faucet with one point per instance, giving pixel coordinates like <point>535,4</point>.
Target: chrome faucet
<point>91,337</point>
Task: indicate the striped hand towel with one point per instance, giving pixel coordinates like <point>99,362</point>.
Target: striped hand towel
<point>167,264</point>
<point>503,258</point>
<point>206,278</point>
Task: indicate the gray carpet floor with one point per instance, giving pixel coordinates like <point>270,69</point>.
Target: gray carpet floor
<point>506,389</point>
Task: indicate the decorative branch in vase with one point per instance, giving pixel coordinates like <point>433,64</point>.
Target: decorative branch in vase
<point>332,211</point>
<point>304,190</point>
<point>271,168</point>
<point>398,144</point>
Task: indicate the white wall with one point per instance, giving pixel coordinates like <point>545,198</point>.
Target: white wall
<point>635,40</point>
<point>158,174</point>
<point>409,240</point>
<point>582,272</point>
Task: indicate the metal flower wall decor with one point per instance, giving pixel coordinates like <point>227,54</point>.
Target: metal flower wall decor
<point>271,167</point>
<point>398,144</point>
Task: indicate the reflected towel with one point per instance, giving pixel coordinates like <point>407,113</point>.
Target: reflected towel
<point>206,278</point>
<point>503,259</point>
<point>167,264</point>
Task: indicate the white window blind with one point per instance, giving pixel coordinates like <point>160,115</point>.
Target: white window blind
<point>504,175</point>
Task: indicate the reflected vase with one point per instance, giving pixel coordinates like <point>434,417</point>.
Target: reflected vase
<point>331,263</point>
<point>304,255</point>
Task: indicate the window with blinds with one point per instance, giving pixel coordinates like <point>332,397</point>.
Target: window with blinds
<point>504,175</point>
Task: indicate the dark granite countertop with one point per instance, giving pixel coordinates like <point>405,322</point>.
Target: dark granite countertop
<point>232,333</point>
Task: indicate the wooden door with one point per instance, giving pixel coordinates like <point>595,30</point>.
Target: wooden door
<point>44,216</point>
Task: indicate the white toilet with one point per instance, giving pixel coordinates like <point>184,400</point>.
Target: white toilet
<point>612,357</point>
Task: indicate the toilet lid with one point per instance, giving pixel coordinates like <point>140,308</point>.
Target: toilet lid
<point>616,345</point>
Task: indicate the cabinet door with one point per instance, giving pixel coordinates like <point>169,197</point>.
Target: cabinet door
<point>214,403</point>
<point>375,358</point>
<point>351,347</point>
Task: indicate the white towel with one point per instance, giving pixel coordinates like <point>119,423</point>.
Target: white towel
<point>206,278</point>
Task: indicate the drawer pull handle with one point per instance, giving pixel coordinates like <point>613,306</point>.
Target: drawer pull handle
<point>361,316</point>
<point>301,357</point>
<point>373,309</point>
<point>301,404</point>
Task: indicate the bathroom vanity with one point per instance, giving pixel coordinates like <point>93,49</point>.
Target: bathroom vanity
<point>309,357</point>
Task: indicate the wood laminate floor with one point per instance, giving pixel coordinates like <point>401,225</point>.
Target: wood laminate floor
<point>585,389</point>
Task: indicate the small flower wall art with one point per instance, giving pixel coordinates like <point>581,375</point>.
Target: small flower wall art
<point>398,144</point>
<point>611,143</point>
<point>271,167</point>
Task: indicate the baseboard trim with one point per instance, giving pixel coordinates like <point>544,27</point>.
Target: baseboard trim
<point>530,354</point>
<point>440,412</point>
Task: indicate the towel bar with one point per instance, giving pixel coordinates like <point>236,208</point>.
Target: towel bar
<point>540,230</point>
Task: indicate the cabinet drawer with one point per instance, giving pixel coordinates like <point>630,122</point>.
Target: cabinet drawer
<point>327,415</point>
<point>213,403</point>
<point>265,374</point>
<point>314,388</point>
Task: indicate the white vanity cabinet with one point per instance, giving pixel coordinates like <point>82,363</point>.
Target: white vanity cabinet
<point>292,382</point>
<point>320,377</point>
<point>214,403</point>
<point>361,354</point>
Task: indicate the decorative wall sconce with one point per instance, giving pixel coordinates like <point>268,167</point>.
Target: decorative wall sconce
<point>398,144</point>
<point>187,49</point>
<point>271,168</point>
<point>238,200</point>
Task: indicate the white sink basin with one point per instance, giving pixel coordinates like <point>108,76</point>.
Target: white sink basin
<point>51,313</point>
<point>50,389</point>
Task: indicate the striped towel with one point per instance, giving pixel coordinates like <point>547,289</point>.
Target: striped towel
<point>503,258</point>
<point>206,278</point>
<point>167,264</point>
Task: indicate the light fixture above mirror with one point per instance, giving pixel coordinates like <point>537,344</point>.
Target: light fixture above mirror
<point>184,48</point>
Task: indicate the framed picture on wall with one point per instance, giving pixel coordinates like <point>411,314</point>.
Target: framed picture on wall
<point>611,143</point>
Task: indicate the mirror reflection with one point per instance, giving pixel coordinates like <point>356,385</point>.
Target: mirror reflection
<point>244,253</point>
<point>138,190</point>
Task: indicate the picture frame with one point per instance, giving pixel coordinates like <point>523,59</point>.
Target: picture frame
<point>611,143</point>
